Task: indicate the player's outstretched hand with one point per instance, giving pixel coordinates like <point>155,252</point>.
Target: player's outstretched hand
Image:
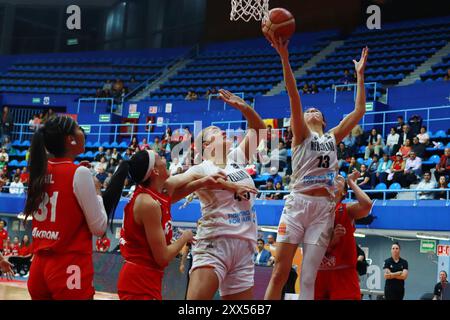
<point>187,236</point>
<point>281,46</point>
<point>232,99</point>
<point>243,192</point>
<point>360,65</point>
<point>6,269</point>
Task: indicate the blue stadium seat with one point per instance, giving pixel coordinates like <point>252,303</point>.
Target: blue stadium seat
<point>434,159</point>
<point>13,163</point>
<point>381,186</point>
<point>360,160</point>
<point>123,145</point>
<point>23,163</point>
<point>342,173</point>
<point>25,143</point>
<point>395,186</point>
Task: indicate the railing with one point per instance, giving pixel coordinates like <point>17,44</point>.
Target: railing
<point>109,130</point>
<point>405,113</point>
<point>368,84</point>
<point>80,100</point>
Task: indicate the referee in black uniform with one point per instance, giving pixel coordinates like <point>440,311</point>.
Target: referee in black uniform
<point>442,284</point>
<point>395,273</point>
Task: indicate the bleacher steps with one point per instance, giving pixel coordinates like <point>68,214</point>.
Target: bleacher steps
<point>308,65</point>
<point>153,86</point>
<point>426,66</point>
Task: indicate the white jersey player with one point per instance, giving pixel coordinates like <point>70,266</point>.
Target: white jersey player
<point>227,230</point>
<point>308,214</point>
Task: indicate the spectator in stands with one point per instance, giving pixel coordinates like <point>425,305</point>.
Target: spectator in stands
<point>116,155</point>
<point>364,179</point>
<point>6,144</point>
<point>207,94</point>
<point>423,136</point>
<point>375,144</point>
<point>405,149</point>
<point>191,95</point>
<point>16,187</point>
<point>24,176</point>
<point>400,124</point>
<point>132,84</point>
<point>405,135</point>
<point>101,175</point>
<point>350,143</point>
<point>48,115</point>
<point>442,284</point>
<point>108,155</point>
<point>397,168</point>
<point>443,167</point>
<point>102,244</point>
<point>418,148</point>
<point>306,89</point>
<point>174,165</point>
<point>347,78</point>
<point>392,142</point>
<point>100,154</point>
<point>278,195</point>
<point>112,166</point>
<point>354,165</point>
<point>358,134</point>
<point>6,123</point>
<point>442,184</point>
<point>314,89</point>
<point>3,233</point>
<point>372,171</point>
<point>158,147</point>
<point>134,143</point>
<point>117,88</point>
<point>107,88</point>
<point>22,260</point>
<point>99,93</point>
<point>3,164</point>
<point>15,173</point>
<point>269,186</point>
<point>214,91</point>
<point>287,137</point>
<point>144,145</point>
<point>4,154</point>
<point>426,184</point>
<point>102,164</point>
<point>383,170</point>
<point>261,256</point>
<point>413,169</point>
<point>415,123</point>
<point>286,181</point>
<point>126,155</point>
<point>343,155</point>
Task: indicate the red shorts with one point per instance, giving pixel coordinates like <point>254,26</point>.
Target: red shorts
<point>138,282</point>
<point>61,277</point>
<point>341,284</point>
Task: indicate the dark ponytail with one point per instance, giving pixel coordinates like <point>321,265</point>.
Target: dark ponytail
<point>50,138</point>
<point>135,168</point>
<point>37,167</point>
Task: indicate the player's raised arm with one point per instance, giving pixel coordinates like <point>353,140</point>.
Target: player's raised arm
<point>254,122</point>
<point>352,119</point>
<point>299,129</point>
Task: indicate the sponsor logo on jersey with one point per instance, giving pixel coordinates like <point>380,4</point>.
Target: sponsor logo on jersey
<point>167,227</point>
<point>282,229</point>
<point>328,262</point>
<point>240,217</point>
<point>43,234</point>
<point>322,179</point>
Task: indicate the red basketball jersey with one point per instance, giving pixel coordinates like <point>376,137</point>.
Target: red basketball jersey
<point>133,243</point>
<point>15,250</point>
<point>344,253</point>
<point>59,225</point>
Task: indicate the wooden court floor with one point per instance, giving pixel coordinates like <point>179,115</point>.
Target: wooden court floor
<point>17,290</point>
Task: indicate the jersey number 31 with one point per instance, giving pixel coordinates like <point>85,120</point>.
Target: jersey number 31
<point>41,213</point>
<point>324,161</point>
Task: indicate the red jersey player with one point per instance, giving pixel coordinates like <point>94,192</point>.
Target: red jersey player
<point>147,224</point>
<point>337,278</point>
<point>3,232</point>
<point>67,210</point>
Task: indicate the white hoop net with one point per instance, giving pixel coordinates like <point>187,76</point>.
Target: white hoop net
<point>249,9</point>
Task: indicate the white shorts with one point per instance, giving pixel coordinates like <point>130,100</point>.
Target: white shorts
<point>231,259</point>
<point>306,219</point>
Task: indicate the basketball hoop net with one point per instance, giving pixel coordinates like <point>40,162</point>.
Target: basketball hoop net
<point>249,9</point>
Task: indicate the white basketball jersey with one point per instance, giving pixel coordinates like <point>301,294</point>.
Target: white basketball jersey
<point>314,163</point>
<point>223,213</point>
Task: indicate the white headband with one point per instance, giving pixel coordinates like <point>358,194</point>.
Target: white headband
<point>151,163</point>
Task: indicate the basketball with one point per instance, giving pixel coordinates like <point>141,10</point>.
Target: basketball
<point>280,23</point>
